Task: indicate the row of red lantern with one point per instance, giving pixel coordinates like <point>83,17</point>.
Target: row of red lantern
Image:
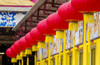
<point>25,42</point>
<point>56,21</point>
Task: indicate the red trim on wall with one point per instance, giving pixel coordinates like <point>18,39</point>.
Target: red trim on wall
<point>34,1</point>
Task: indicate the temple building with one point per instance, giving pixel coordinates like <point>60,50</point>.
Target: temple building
<point>11,12</point>
<point>50,32</point>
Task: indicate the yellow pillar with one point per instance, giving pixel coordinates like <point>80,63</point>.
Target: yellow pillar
<point>89,48</point>
<point>59,54</point>
<point>49,39</point>
<point>35,59</point>
<point>19,62</point>
<point>60,38</point>
<point>19,58</point>
<point>73,53</point>
<point>43,62</point>
<point>22,54</point>
<point>49,55</point>
<point>13,60</point>
<point>67,59</point>
<point>56,60</point>
<point>98,52</point>
<point>64,54</point>
<point>41,59</point>
<point>22,62</point>
<point>88,18</point>
<point>27,60</point>
<point>73,27</point>
<point>84,42</point>
<point>41,45</point>
<point>34,49</point>
<point>28,52</point>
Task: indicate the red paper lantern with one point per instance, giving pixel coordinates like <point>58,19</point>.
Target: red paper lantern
<point>17,46</point>
<point>29,39</point>
<point>9,53</point>
<point>43,28</point>
<point>67,12</point>
<point>86,6</point>
<point>23,43</point>
<point>54,21</point>
<point>36,35</point>
<point>29,46</point>
<point>14,50</point>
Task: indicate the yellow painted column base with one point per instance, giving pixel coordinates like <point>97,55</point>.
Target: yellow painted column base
<point>22,54</point>
<point>41,45</point>
<point>73,26</point>
<point>34,48</point>
<point>28,51</point>
<point>89,18</point>
<point>18,57</point>
<point>13,60</point>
